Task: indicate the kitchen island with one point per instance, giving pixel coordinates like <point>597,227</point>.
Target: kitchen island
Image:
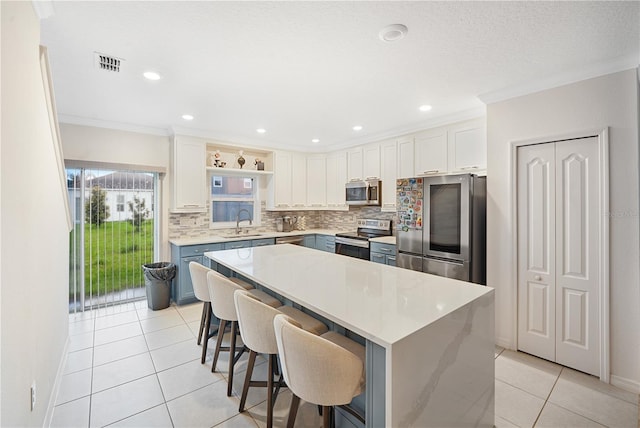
<point>429,339</point>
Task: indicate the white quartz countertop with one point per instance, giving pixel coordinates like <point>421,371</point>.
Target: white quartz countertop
<point>214,239</point>
<point>382,303</point>
<point>384,240</point>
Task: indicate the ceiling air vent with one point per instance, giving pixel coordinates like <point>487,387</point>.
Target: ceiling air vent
<point>107,62</point>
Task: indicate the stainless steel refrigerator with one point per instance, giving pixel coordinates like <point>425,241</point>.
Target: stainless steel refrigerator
<point>441,225</point>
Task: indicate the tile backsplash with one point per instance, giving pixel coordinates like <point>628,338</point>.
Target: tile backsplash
<point>195,225</point>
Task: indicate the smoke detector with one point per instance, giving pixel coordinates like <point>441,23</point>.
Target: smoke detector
<point>107,62</point>
<point>392,33</point>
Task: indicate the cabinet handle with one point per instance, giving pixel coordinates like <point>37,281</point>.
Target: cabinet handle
<point>356,179</point>
<point>282,205</point>
<point>298,205</point>
<point>192,205</point>
<point>392,258</point>
<point>537,278</point>
<point>385,249</point>
<point>389,205</point>
<point>431,171</point>
<point>316,205</point>
<point>469,167</point>
<point>373,178</point>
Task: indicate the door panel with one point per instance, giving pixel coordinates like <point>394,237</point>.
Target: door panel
<point>536,250</point>
<point>578,271</point>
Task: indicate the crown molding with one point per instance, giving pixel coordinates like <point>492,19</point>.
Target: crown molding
<point>233,139</point>
<point>562,79</point>
<point>43,8</point>
<point>97,123</point>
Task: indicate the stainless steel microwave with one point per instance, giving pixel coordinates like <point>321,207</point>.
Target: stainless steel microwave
<point>365,192</point>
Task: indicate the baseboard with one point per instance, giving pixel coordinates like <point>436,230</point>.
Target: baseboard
<point>56,386</point>
<point>626,384</point>
<point>504,343</point>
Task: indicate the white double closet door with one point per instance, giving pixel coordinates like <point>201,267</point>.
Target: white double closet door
<point>558,252</point>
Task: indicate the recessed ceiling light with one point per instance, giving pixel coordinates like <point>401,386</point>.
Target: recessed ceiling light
<point>357,128</point>
<point>151,75</point>
<point>425,107</point>
<point>187,117</point>
<point>393,32</point>
<point>261,130</point>
<point>315,140</point>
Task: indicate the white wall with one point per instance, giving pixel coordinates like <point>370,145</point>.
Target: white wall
<point>87,143</point>
<point>608,101</point>
<point>35,239</point>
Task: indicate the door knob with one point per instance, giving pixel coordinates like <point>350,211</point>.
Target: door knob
<point>537,278</point>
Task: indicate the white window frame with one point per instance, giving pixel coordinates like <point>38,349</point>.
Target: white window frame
<point>256,222</point>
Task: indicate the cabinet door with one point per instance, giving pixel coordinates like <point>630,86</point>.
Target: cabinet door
<point>468,146</point>
<point>389,175</point>
<point>298,181</point>
<point>189,175</point>
<point>354,161</point>
<point>391,260</point>
<point>317,181</point>
<point>431,152</point>
<point>371,162</point>
<point>310,241</point>
<point>378,258</point>
<point>336,179</point>
<point>406,167</point>
<point>282,180</point>
<point>184,291</point>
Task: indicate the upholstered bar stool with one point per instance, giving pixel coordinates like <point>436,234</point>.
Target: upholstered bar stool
<point>221,290</point>
<point>201,290</point>
<point>326,370</point>
<point>256,327</point>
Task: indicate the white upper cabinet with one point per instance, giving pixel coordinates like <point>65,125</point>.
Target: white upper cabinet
<point>336,180</point>
<point>299,181</point>
<point>316,181</point>
<point>431,152</point>
<point>371,162</point>
<point>389,172</point>
<point>468,146</point>
<point>189,175</point>
<point>281,180</point>
<point>355,157</point>
<point>406,158</point>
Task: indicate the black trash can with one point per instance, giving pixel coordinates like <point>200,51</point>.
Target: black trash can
<point>157,281</point>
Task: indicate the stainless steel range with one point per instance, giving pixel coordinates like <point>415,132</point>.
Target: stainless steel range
<point>356,244</point>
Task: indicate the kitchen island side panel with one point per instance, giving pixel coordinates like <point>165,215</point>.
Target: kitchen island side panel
<point>443,375</point>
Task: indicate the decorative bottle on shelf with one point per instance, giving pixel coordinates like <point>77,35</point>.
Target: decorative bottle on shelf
<point>241,159</point>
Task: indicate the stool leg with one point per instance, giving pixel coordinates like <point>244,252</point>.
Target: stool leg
<point>232,355</point>
<point>202,318</point>
<point>218,344</point>
<point>270,401</point>
<point>247,380</point>
<point>293,410</point>
<point>326,416</point>
<point>207,322</point>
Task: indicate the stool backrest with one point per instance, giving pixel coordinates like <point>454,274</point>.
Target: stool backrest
<point>256,323</point>
<point>315,369</point>
<point>199,280</point>
<point>221,291</point>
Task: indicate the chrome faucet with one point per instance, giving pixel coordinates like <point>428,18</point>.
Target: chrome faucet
<point>238,220</point>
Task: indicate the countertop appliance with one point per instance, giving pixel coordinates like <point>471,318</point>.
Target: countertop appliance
<point>363,192</point>
<point>441,226</point>
<point>356,244</point>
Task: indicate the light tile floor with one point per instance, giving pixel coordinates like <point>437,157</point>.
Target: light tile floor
<point>129,366</point>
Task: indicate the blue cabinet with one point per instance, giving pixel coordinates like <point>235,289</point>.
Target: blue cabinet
<point>181,256</point>
<point>326,243</point>
<point>237,244</point>
<point>383,253</point>
<point>309,241</point>
<point>262,242</point>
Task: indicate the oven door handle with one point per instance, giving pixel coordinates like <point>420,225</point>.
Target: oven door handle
<point>352,242</point>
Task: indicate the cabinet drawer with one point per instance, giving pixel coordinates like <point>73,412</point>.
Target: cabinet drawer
<point>391,260</point>
<point>263,242</point>
<point>378,247</point>
<point>238,244</point>
<point>378,258</point>
<point>196,250</point>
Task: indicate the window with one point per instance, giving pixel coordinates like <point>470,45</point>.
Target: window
<point>120,204</point>
<point>234,198</point>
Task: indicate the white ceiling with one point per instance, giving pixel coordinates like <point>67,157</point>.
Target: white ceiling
<point>305,70</point>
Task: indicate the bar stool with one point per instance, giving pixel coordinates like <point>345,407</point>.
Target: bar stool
<point>201,290</point>
<point>326,370</point>
<point>256,327</point>
<point>221,290</point>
